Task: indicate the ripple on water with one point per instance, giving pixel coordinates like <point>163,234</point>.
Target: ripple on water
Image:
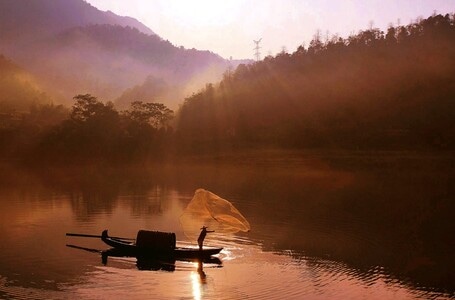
<point>10,291</point>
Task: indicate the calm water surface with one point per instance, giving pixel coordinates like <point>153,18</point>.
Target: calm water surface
<point>323,227</point>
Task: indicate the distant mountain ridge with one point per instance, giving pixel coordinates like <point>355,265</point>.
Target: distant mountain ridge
<point>105,60</point>
<point>72,48</point>
<point>21,19</point>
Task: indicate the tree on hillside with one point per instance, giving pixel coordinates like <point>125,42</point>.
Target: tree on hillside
<point>88,107</point>
<point>372,89</point>
<point>146,129</point>
<point>92,133</point>
<point>155,114</point>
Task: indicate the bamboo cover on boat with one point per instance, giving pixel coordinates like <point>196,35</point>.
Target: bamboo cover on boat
<point>156,240</point>
<point>214,212</point>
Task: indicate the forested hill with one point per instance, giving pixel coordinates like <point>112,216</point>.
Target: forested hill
<point>109,59</point>
<point>24,19</point>
<point>375,89</point>
<point>72,47</point>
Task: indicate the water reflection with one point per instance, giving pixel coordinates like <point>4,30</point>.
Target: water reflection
<point>151,263</point>
<point>143,263</point>
<point>196,284</point>
<point>380,222</point>
<point>199,278</point>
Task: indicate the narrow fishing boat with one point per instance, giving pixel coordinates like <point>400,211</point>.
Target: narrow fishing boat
<point>155,243</point>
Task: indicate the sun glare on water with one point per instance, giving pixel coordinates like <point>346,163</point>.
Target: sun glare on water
<point>196,286</point>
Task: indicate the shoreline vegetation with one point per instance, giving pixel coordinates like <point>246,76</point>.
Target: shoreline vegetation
<point>373,91</point>
<point>359,129</point>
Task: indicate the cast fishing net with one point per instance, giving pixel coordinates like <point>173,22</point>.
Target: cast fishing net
<point>214,212</point>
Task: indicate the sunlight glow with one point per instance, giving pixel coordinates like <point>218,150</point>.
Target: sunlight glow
<point>196,286</point>
<point>229,27</point>
<point>201,13</point>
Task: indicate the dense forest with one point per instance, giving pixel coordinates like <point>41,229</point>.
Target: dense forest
<point>381,90</point>
<point>92,132</point>
<point>372,90</point>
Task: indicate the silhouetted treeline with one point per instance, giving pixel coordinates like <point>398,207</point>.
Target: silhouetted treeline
<point>393,89</point>
<point>373,90</point>
<point>91,132</point>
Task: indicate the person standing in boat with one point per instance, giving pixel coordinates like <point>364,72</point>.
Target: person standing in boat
<point>201,237</point>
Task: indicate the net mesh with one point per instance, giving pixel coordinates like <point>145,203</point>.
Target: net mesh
<point>214,212</point>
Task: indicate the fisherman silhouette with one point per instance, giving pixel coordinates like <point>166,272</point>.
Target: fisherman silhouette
<point>201,237</point>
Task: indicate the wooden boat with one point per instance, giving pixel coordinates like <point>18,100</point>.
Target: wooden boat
<point>157,249</point>
<point>148,263</point>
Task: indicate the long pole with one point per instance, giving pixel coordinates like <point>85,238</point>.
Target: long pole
<point>96,236</point>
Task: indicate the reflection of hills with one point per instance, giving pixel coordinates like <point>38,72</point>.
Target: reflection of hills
<point>153,201</point>
<point>92,192</point>
<point>394,219</point>
<point>385,212</point>
<point>99,190</point>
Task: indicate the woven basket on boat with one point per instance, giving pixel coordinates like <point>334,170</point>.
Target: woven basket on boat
<point>156,240</point>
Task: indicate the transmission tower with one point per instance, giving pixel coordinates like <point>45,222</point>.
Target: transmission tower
<point>257,54</point>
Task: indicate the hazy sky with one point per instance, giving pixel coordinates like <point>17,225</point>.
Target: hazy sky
<point>228,27</point>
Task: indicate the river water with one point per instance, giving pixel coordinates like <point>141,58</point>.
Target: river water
<point>324,226</point>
